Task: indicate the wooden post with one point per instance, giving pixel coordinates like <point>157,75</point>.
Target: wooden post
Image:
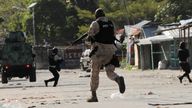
<point>152,56</point>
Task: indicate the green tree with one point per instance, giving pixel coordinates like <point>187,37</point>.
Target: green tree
<point>55,21</point>
<point>90,5</point>
<point>129,11</point>
<point>85,18</point>
<point>114,11</point>
<point>142,10</point>
<point>14,14</point>
<point>174,10</point>
<point>59,22</point>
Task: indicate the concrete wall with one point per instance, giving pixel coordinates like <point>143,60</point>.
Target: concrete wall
<point>41,57</point>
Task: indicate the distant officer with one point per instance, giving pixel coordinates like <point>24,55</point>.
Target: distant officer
<point>54,66</point>
<point>101,33</point>
<point>183,55</point>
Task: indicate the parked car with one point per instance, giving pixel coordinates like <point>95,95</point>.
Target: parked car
<point>85,60</point>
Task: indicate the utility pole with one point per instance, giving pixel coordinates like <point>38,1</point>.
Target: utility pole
<point>126,11</point>
<point>33,12</point>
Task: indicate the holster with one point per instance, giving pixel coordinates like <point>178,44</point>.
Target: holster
<point>58,67</point>
<point>114,61</point>
<point>93,51</point>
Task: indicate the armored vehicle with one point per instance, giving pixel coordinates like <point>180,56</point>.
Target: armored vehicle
<point>17,58</point>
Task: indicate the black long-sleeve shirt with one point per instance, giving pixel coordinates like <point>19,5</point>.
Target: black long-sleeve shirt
<point>183,54</point>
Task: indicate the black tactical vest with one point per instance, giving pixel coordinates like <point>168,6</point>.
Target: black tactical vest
<point>106,33</point>
<point>52,62</point>
<point>183,54</point>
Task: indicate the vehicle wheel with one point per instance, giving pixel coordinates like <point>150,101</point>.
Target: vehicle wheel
<point>4,78</point>
<point>32,75</point>
<point>9,78</point>
<point>88,70</point>
<point>82,67</point>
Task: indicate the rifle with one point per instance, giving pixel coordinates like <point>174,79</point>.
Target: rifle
<point>92,40</point>
<point>80,38</point>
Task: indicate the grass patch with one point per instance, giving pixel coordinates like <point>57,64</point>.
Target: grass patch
<point>125,65</point>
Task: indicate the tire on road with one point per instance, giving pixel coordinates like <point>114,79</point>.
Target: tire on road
<point>4,78</point>
<point>32,75</point>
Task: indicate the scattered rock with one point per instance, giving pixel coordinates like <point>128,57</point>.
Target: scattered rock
<point>2,99</point>
<point>150,93</point>
<point>31,107</point>
<point>58,102</point>
<point>74,102</point>
<point>85,76</point>
<point>73,99</point>
<point>24,98</point>
<point>43,103</point>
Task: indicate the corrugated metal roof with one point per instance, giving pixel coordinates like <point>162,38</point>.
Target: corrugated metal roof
<point>168,33</point>
<point>141,24</point>
<point>160,38</point>
<point>130,30</point>
<point>154,39</point>
<point>149,31</point>
<point>175,32</point>
<point>145,41</point>
<point>185,22</point>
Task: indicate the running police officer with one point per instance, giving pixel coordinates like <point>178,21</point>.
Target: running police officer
<point>54,66</point>
<point>183,55</point>
<point>101,32</point>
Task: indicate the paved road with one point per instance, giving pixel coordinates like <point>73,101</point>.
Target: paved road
<point>145,89</point>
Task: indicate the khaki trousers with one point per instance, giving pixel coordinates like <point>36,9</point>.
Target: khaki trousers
<point>101,57</point>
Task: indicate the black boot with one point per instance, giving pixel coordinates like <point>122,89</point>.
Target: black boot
<point>121,83</point>
<point>180,78</point>
<point>188,77</point>
<point>93,97</point>
<point>55,84</point>
<point>46,83</point>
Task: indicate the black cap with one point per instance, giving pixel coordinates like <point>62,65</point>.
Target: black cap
<point>55,50</point>
<point>182,45</point>
<point>99,13</point>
